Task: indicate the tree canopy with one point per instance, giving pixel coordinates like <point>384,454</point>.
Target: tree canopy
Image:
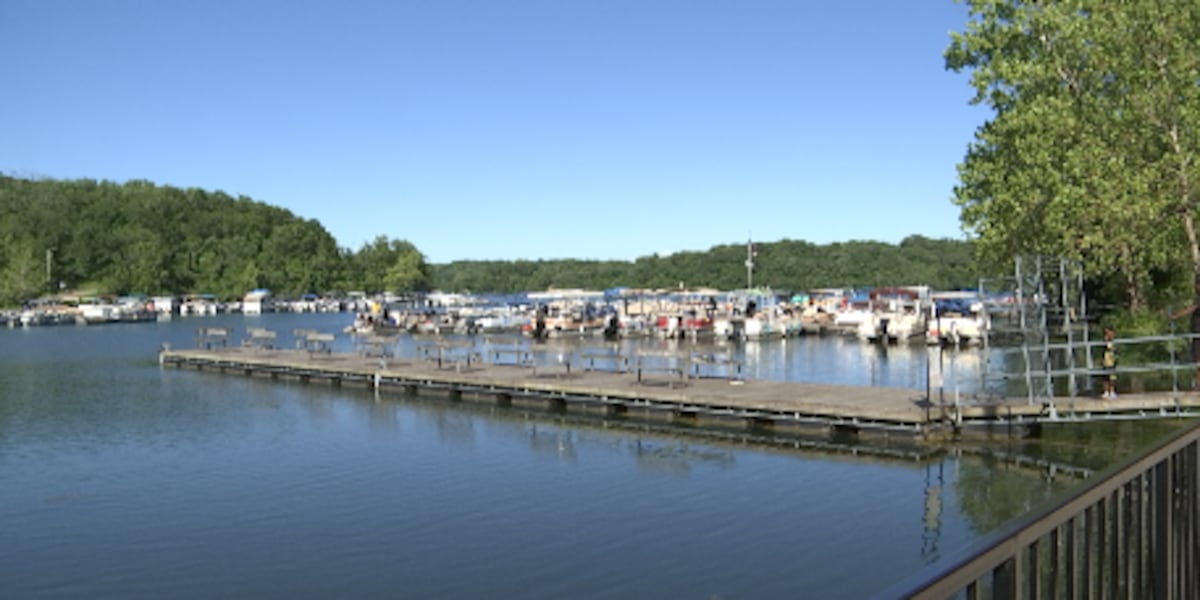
<point>141,237</point>
<point>1092,152</point>
<point>787,264</point>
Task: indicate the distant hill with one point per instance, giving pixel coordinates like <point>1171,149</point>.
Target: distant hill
<point>787,264</point>
<point>138,237</point>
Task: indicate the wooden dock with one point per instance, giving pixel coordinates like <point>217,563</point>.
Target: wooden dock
<point>681,391</point>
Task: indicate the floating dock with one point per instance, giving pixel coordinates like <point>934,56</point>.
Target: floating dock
<point>681,394</point>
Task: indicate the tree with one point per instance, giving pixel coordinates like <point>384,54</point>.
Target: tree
<point>301,257</point>
<point>390,265</point>
<point>409,273</point>
<point>21,273</point>
<point>1092,152</point>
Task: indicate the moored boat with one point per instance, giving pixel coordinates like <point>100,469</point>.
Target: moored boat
<point>959,319</point>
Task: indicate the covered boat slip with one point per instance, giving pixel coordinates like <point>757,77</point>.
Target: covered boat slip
<point>704,389</point>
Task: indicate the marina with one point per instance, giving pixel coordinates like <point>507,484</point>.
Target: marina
<point>203,484</point>
<point>693,385</point>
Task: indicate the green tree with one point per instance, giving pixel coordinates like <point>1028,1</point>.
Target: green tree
<point>21,269</point>
<point>1092,150</point>
<point>302,256</point>
<point>384,264</point>
<point>409,273</point>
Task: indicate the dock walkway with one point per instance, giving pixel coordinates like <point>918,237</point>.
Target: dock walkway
<point>677,393</point>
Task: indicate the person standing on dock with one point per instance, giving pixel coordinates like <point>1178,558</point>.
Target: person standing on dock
<point>1109,362</point>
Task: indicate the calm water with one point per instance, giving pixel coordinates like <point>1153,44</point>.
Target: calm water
<point>119,479</point>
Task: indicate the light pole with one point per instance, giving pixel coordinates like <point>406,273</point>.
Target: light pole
<point>749,263</point>
<point>49,261</point>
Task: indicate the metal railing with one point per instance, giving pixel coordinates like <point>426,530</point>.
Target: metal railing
<point>1066,370</point>
<point>1134,532</point>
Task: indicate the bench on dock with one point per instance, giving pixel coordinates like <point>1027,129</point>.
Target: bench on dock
<point>547,358</point>
<point>301,337</point>
<point>318,343</point>
<point>669,362</point>
<point>259,338</point>
<point>498,348</point>
<point>380,346</point>
<point>609,353</point>
<point>718,361</point>
<point>212,337</point>
<point>449,353</point>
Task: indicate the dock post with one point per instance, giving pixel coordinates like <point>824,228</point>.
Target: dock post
<point>377,380</point>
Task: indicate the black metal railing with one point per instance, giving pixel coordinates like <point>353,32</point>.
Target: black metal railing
<point>1133,532</point>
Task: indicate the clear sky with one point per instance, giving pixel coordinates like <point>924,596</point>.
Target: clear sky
<point>505,129</point>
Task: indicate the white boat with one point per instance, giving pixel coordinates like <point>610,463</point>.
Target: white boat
<point>256,302</point>
<point>201,304</point>
<point>888,326</point>
<point>135,309</point>
<point>371,325</point>
<point>566,313</point>
<point>30,317</point>
<point>97,312</point>
<point>959,319</point>
<point>897,314</point>
<point>166,305</point>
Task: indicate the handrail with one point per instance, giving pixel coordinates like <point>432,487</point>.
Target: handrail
<point>1166,496</point>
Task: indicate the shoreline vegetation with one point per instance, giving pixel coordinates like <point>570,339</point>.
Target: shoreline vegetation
<point>139,237</point>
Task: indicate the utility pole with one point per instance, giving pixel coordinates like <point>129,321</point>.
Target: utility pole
<point>749,263</point>
<point>49,260</point>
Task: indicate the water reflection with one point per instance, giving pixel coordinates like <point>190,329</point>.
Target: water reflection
<point>677,458</point>
<point>455,428</point>
<point>384,416</point>
<point>556,442</point>
<point>178,472</point>
<point>931,520</point>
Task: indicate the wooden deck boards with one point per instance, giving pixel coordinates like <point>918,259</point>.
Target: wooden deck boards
<point>773,400</point>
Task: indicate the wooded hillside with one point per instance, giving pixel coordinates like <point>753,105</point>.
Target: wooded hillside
<point>792,265</point>
<point>140,237</point>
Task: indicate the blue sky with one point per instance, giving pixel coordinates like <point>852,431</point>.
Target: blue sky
<point>506,129</point>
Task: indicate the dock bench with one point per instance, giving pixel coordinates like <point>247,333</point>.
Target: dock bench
<point>548,359</point>
<point>212,337</point>
<point>301,337</point>
<point>259,338</point>
<point>376,345</point>
<point>448,353</point>
<point>662,361</point>
<point>716,360</point>
<point>318,343</point>
<point>498,346</point>
<point>520,356</point>
<point>590,355</point>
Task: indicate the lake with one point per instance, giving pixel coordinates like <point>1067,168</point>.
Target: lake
<point>119,479</point>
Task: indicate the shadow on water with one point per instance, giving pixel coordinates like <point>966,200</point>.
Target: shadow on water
<point>555,432</point>
<point>987,484</point>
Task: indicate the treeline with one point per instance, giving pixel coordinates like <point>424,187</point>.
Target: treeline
<point>792,265</point>
<point>138,237</point>
<point>141,237</point>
